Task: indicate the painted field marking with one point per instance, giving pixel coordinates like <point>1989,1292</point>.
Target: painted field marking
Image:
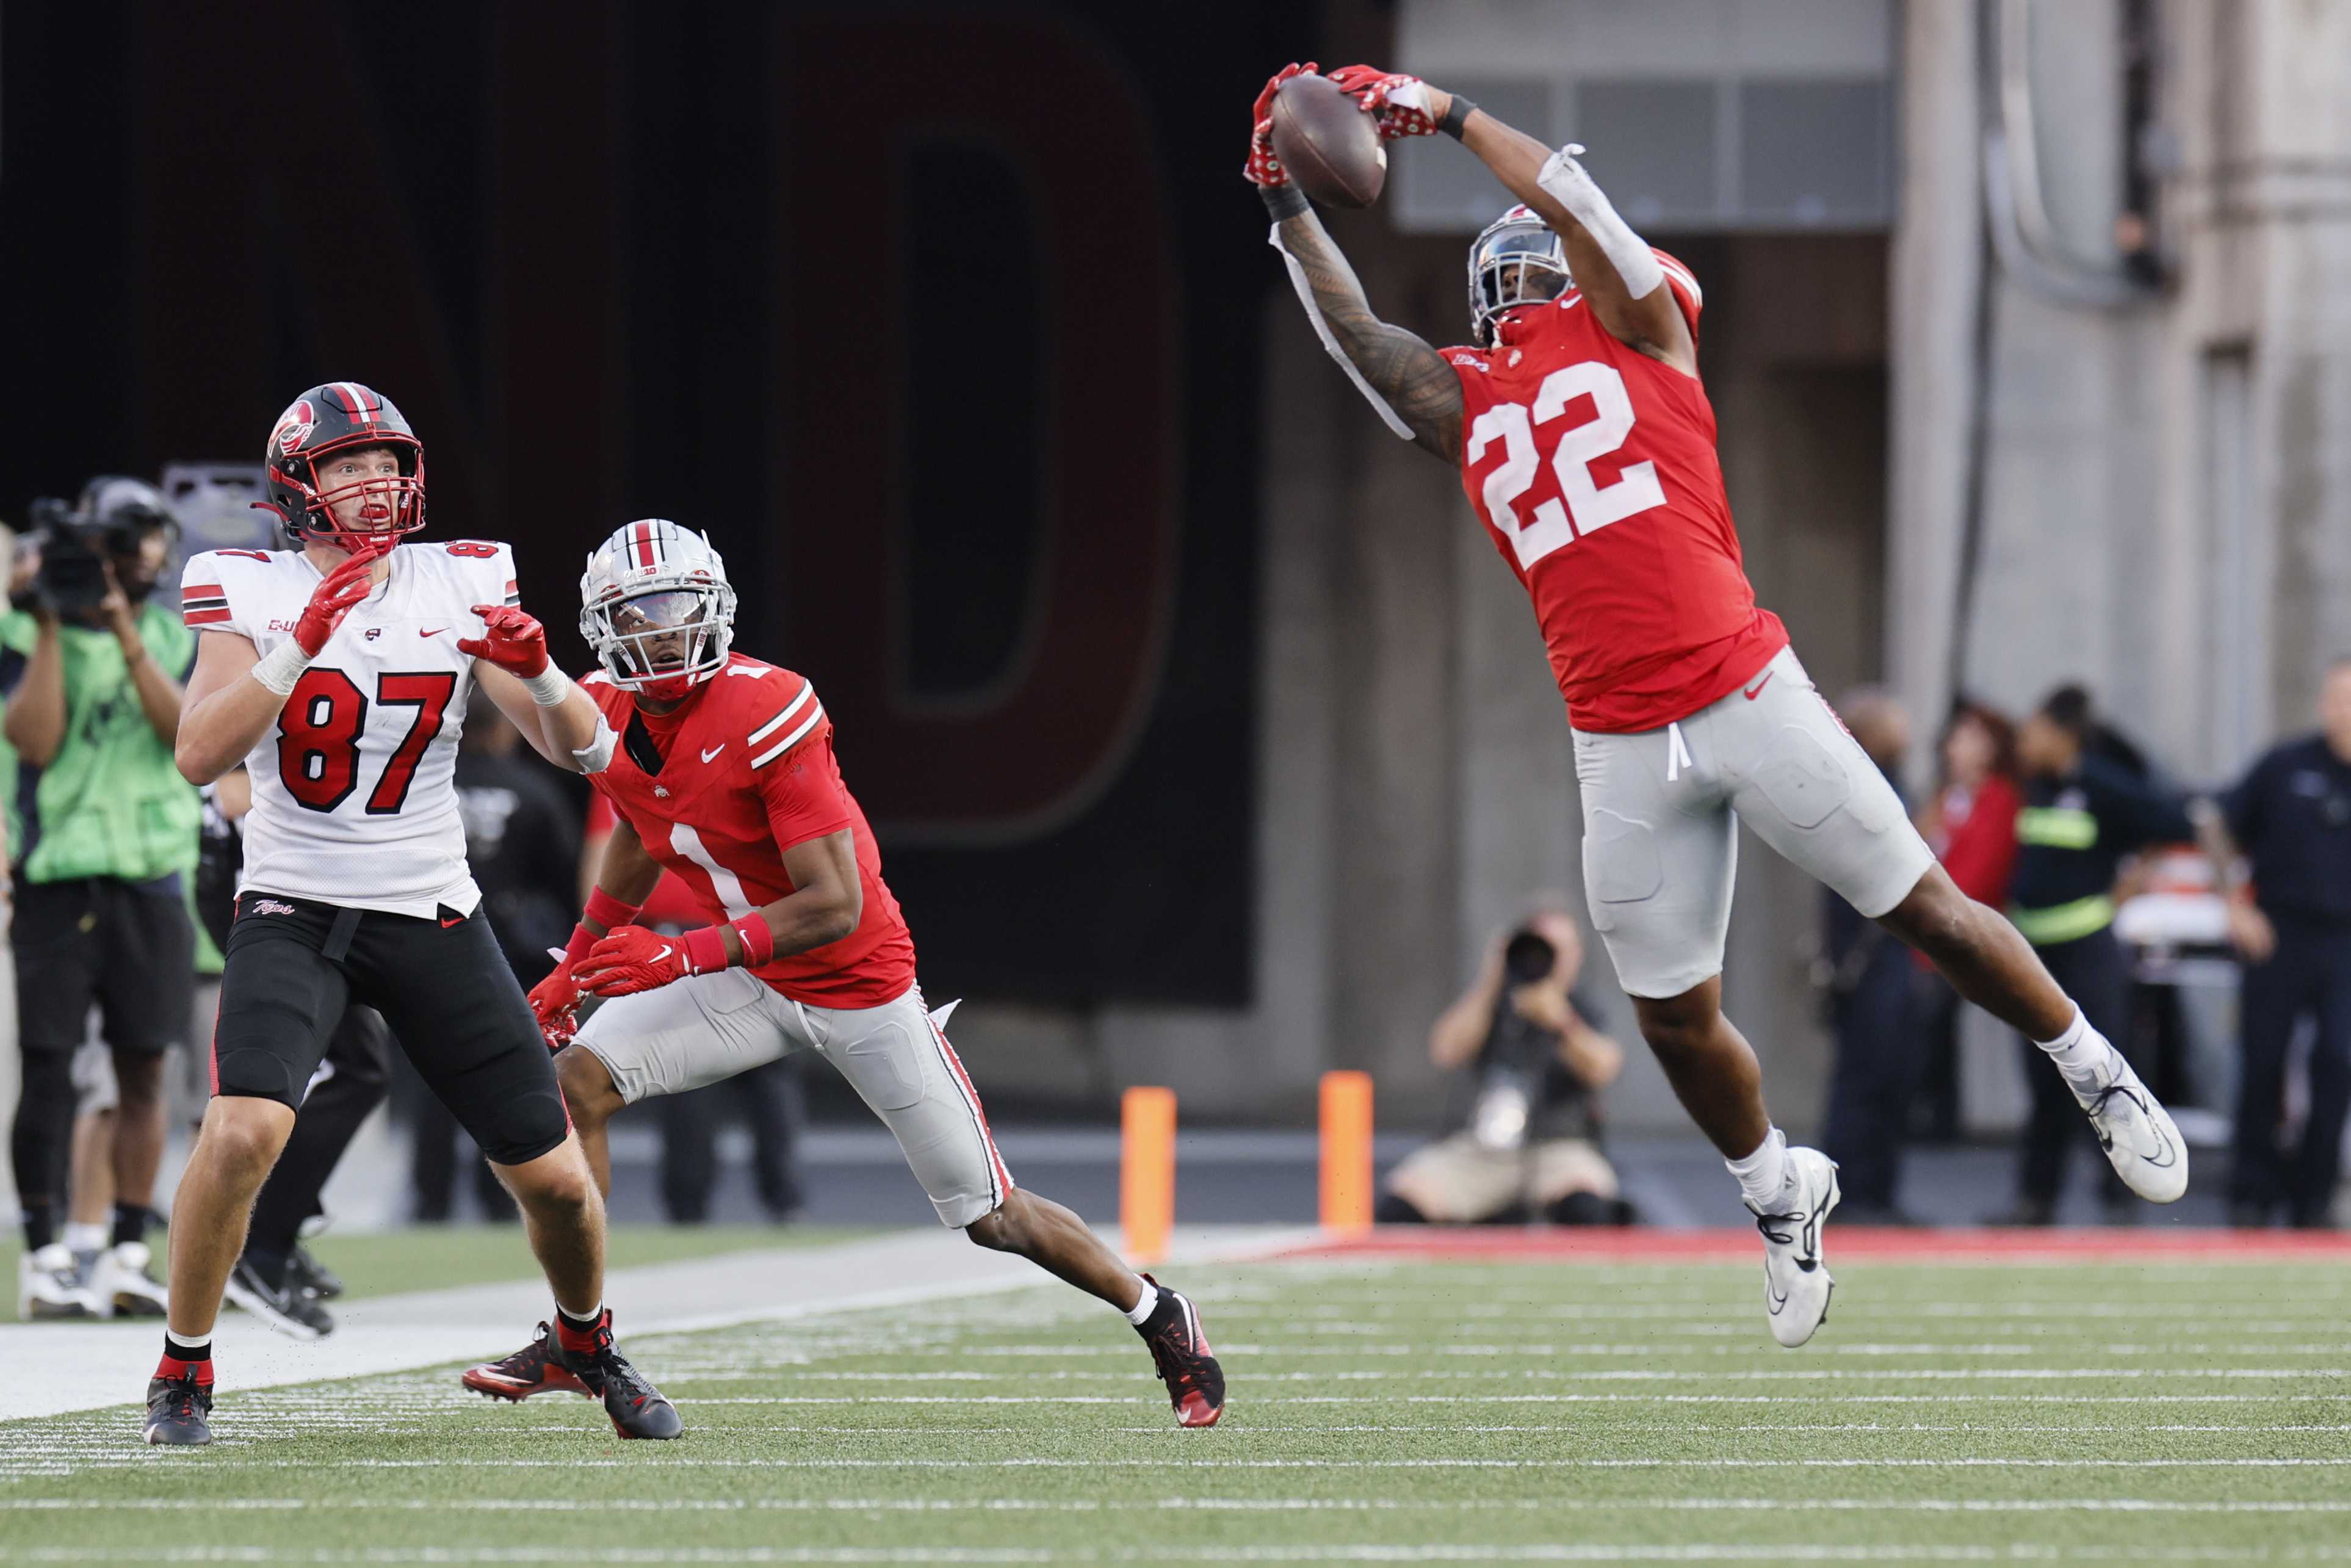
<point>1173,1504</point>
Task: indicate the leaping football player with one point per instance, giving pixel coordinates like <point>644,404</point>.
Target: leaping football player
<point>726,778</point>
<point>339,672</point>
<point>1586,445</point>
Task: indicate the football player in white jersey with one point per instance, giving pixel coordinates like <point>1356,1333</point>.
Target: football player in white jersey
<point>339,672</point>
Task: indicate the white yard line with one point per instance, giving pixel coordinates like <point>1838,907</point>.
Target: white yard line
<point>595,1504</point>
<point>53,1368</point>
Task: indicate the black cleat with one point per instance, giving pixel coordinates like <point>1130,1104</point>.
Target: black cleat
<point>1179,1349</point>
<point>536,1368</point>
<point>305,1272</point>
<point>285,1307</point>
<point>177,1412</point>
<point>636,1406</point>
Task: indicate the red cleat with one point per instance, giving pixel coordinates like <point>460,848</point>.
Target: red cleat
<point>536,1368</point>
<point>1179,1349</point>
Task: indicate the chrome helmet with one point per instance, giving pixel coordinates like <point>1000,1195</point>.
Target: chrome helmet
<point>1518,260</point>
<point>656,608</point>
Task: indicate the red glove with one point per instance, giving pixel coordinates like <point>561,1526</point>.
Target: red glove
<point>331,601</point>
<point>1263,169</point>
<point>555,1000</point>
<point>1398,104</point>
<point>511,639</point>
<point>630,958</point>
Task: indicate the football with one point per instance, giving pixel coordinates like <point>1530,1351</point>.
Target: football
<point>1329,145</point>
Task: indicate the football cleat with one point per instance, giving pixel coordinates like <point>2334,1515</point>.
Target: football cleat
<point>533,1369</point>
<point>1796,1283</point>
<point>1179,1349</point>
<point>305,1272</point>
<point>178,1412</point>
<point>283,1307</point>
<point>636,1407</point>
<point>2141,1141</point>
<point>49,1286</point>
<point>123,1285</point>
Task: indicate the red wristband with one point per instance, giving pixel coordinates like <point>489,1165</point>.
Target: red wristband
<point>609,912</point>
<point>704,952</point>
<point>758,942</point>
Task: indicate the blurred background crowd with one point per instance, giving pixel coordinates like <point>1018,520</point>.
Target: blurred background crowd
<point>2028,327</point>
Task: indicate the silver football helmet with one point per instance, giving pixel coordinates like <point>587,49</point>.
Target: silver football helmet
<point>1518,260</point>
<point>656,608</point>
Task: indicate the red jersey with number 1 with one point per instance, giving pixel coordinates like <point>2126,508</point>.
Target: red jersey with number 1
<point>721,787</point>
<point>1592,466</point>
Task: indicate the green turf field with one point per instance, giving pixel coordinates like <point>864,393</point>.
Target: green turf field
<point>1381,1411</point>
<point>374,1263</point>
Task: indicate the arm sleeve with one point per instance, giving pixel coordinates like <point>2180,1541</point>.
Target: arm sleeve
<point>802,791</point>
<point>203,595</point>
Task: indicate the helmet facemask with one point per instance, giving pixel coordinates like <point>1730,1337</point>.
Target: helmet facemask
<point>1518,261</point>
<point>663,641</point>
<point>400,496</point>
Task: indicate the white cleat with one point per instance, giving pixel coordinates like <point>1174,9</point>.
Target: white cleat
<point>48,1286</point>
<point>1796,1283</point>
<point>2140,1138</point>
<point>123,1287</point>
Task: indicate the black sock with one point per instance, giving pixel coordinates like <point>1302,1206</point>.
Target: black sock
<point>580,1325</point>
<point>40,1225</point>
<point>130,1222</point>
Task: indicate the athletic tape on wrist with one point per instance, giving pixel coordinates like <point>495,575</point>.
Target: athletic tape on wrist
<point>1565,179</point>
<point>1283,200</point>
<point>281,667</point>
<point>549,688</point>
<point>1457,116</point>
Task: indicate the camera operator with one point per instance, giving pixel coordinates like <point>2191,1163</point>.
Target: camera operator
<point>1531,1148</point>
<point>92,671</point>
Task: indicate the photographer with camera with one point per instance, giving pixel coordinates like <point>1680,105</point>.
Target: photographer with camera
<point>92,676</point>
<point>1531,1151</point>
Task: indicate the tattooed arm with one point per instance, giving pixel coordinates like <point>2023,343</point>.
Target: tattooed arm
<point>1414,378</point>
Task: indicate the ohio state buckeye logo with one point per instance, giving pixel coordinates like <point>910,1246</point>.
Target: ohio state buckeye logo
<point>293,426</point>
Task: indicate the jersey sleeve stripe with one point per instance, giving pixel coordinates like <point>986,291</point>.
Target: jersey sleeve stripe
<point>195,590</point>
<point>807,689</point>
<point>814,718</point>
<point>207,617</point>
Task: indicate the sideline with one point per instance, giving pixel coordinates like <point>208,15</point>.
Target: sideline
<point>1875,1244</point>
<point>57,1368</point>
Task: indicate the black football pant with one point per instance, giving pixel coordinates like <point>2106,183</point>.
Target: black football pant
<point>2096,974</point>
<point>2308,976</point>
<point>349,1084</point>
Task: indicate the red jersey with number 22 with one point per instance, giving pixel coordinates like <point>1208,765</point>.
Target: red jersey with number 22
<point>743,772</point>
<point>1593,468</point>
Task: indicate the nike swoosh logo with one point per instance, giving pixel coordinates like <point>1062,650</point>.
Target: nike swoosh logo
<point>1757,689</point>
<point>446,923</point>
<point>1807,1264</point>
<point>660,955</point>
<point>714,751</point>
<point>435,631</point>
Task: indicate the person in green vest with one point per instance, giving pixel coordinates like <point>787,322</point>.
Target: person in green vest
<point>2085,809</point>
<point>92,674</point>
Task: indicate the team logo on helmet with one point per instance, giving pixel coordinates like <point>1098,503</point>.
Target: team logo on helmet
<point>293,426</point>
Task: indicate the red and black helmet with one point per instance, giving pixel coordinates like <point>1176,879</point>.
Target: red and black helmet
<point>342,416</point>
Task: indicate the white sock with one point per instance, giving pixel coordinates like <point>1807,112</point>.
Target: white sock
<point>2080,1049</point>
<point>175,1343</point>
<point>1140,1312</point>
<point>1762,1174</point>
<point>86,1238</point>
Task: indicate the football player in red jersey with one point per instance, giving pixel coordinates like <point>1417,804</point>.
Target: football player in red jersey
<point>724,777</point>
<point>1587,444</point>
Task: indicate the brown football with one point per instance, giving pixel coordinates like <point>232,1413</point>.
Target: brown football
<point>1329,145</point>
